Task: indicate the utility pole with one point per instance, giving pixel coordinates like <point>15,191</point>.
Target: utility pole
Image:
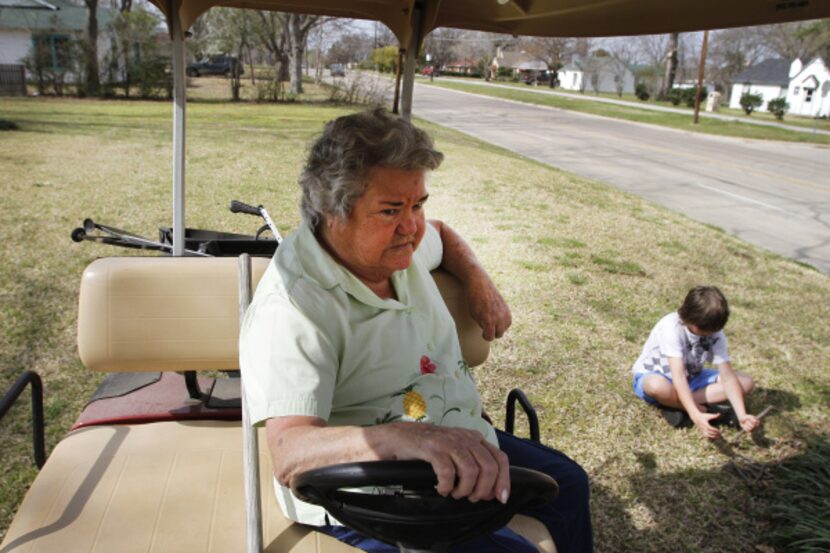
<point>700,72</point>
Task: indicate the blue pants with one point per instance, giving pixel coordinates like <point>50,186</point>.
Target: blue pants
<point>568,518</point>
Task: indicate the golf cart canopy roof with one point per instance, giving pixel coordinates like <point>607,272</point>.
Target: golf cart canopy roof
<point>567,18</point>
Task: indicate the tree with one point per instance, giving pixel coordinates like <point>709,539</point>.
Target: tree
<point>92,81</point>
<point>671,65</point>
<point>730,52</point>
<point>623,55</point>
<point>349,48</point>
<point>298,27</point>
<point>230,30</point>
<point>133,47</point>
<point>270,34</point>
<point>819,31</point>
<point>442,45</point>
<point>790,41</point>
<point>385,58</point>
<point>551,50</point>
<point>50,66</point>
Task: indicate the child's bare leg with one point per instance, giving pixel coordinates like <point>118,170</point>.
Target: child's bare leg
<point>661,389</point>
<point>714,393</point>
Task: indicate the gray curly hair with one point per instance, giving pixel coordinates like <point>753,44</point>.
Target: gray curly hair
<point>339,162</point>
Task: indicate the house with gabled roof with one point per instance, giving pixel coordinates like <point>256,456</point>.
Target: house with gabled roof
<point>803,85</point>
<point>598,74</point>
<point>769,79</point>
<point>518,62</point>
<point>49,24</point>
<point>809,89</point>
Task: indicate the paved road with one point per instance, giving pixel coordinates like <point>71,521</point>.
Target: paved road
<point>642,105</point>
<point>772,194</point>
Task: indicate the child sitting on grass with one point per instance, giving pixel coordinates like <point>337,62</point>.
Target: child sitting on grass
<point>670,371</point>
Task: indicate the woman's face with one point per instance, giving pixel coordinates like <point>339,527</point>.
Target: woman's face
<point>384,228</point>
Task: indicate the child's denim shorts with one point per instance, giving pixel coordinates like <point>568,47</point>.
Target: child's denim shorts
<point>701,380</point>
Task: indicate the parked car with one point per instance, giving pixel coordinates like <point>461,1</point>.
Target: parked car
<point>337,70</point>
<point>215,65</point>
<point>536,77</point>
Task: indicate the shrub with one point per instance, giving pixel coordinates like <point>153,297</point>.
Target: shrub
<point>153,78</point>
<point>687,96</point>
<point>641,91</point>
<point>51,64</point>
<point>778,107</point>
<point>675,96</point>
<point>749,102</point>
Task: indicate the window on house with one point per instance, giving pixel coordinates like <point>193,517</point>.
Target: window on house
<point>52,51</point>
<point>796,90</point>
<point>808,94</point>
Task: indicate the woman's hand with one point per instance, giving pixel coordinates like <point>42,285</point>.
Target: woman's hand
<point>487,307</point>
<point>465,463</point>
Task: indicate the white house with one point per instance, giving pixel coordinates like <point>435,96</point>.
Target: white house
<point>49,23</point>
<point>517,62</point>
<point>802,85</point>
<point>604,74</point>
<point>809,90</point>
<point>769,79</point>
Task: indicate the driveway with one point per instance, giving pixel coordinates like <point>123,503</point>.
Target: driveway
<point>772,194</point>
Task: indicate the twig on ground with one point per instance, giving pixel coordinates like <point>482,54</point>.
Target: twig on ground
<point>759,416</point>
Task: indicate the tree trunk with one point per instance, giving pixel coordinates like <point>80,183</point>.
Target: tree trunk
<point>296,45</point>
<point>92,83</point>
<point>671,65</point>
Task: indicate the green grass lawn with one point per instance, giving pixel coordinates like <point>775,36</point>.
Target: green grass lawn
<point>587,270</point>
<point>577,102</point>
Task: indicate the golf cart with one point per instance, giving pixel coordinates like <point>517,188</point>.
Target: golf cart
<point>156,469</point>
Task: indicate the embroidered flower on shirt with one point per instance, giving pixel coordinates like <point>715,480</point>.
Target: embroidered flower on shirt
<point>414,405</point>
<point>427,366</point>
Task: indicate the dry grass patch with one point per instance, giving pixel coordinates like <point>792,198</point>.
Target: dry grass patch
<point>587,270</point>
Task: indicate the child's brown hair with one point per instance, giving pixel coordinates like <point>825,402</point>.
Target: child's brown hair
<point>706,308</point>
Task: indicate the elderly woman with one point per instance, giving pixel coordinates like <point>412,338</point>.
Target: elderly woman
<point>349,353</point>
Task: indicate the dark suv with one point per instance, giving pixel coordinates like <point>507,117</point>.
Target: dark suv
<point>215,65</point>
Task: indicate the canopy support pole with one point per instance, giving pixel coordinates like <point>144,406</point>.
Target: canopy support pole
<point>179,110</point>
<point>409,64</point>
<point>250,438</point>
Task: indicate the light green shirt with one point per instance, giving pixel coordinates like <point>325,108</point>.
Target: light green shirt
<point>318,342</point>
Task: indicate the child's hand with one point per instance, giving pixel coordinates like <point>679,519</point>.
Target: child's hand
<point>701,420</point>
<point>749,422</point>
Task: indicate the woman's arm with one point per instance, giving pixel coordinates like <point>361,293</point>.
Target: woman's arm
<point>481,470</point>
<point>487,306</point>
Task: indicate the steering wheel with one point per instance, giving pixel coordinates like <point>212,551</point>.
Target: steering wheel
<point>403,507</point>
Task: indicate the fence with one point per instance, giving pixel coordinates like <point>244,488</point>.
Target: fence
<point>12,80</point>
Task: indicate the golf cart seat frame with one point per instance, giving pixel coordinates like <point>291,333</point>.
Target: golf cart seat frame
<point>173,485</point>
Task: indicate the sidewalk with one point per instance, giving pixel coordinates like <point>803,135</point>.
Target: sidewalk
<point>640,105</point>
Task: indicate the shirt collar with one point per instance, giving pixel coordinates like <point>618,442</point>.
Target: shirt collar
<point>320,266</point>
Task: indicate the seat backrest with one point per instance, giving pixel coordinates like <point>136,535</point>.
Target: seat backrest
<point>474,348</point>
<point>161,313</point>
<point>182,313</point>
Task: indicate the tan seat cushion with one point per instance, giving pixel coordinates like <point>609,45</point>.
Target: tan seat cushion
<point>167,487</point>
<point>161,487</point>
